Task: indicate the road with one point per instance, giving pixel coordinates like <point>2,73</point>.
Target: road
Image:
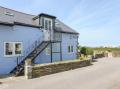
<point>104,74</point>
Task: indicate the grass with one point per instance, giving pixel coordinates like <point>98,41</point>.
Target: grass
<point>106,49</point>
<point>101,48</point>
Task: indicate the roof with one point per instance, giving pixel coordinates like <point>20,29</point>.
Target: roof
<point>12,17</point>
<point>44,14</point>
<point>61,27</point>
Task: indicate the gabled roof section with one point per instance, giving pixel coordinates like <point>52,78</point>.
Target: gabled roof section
<point>61,27</point>
<point>12,17</point>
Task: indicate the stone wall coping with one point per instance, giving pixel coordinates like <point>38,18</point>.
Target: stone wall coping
<point>56,63</point>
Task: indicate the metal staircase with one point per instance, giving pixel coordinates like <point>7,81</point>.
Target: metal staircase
<point>31,53</point>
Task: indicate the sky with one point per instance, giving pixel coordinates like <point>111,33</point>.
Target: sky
<point>97,21</point>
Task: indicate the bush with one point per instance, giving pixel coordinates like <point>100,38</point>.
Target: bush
<point>109,50</point>
<point>89,51</point>
<point>86,51</point>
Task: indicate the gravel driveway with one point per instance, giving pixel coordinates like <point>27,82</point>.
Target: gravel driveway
<point>104,74</point>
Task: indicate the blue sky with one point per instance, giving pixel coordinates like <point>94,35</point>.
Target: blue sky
<point>97,21</point>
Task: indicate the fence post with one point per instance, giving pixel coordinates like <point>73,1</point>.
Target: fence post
<point>28,69</point>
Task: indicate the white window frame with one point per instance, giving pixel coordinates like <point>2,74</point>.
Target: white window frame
<point>13,55</point>
<point>48,25</point>
<point>70,49</point>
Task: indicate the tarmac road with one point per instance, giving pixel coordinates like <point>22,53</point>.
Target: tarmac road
<point>104,74</point>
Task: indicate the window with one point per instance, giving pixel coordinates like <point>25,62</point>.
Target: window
<point>70,49</point>
<point>57,45</point>
<point>48,24</point>
<point>48,51</point>
<point>18,48</point>
<point>57,36</point>
<point>9,49</point>
<point>12,48</point>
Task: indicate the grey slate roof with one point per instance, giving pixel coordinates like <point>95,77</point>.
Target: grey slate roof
<point>61,27</point>
<point>11,17</point>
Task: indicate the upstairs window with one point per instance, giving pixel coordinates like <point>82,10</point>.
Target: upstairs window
<point>47,24</point>
<point>12,48</point>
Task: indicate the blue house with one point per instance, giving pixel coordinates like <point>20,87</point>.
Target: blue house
<point>42,38</point>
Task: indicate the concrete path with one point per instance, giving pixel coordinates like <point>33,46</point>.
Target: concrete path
<point>104,74</point>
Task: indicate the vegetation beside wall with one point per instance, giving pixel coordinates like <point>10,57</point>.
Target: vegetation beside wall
<point>90,50</point>
<point>97,52</point>
<point>86,50</point>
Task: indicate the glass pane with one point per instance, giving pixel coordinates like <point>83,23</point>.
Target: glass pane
<point>9,49</point>
<point>69,49</point>
<point>46,24</point>
<point>50,25</point>
<point>18,48</point>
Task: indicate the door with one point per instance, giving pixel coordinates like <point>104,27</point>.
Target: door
<point>47,29</point>
<point>46,35</point>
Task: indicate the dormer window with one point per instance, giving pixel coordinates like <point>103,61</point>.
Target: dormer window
<point>46,21</point>
<point>47,24</point>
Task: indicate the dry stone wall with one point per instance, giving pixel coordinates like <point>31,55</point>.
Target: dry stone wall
<point>46,69</point>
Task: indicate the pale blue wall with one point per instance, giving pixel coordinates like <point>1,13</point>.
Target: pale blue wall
<point>27,35</point>
<point>67,39</point>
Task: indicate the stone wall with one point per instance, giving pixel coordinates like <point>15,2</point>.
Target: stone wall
<point>116,53</point>
<point>96,56</point>
<point>99,55</point>
<point>113,54</point>
<point>46,69</point>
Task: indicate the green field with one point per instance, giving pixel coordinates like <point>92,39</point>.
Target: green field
<point>106,49</point>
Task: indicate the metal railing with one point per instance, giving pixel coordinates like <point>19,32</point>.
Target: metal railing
<point>28,50</point>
